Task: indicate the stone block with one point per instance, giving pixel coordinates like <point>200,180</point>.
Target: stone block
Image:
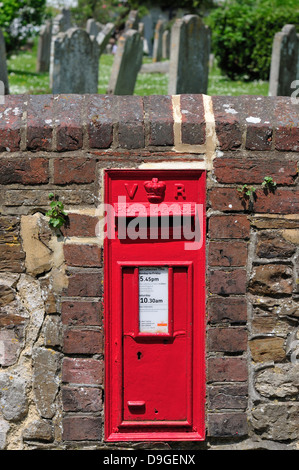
<point>271,279</point>
<point>267,349</point>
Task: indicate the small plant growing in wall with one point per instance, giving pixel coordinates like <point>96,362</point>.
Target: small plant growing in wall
<point>247,194</point>
<point>269,184</point>
<point>56,214</point>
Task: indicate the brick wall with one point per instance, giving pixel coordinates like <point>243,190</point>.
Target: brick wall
<point>51,287</point>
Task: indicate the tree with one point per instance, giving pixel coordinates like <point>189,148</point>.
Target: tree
<point>243,32</point>
<point>19,20</point>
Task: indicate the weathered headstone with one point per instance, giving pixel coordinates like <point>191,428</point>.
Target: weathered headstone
<point>61,23</point>
<point>127,63</point>
<point>93,27</point>
<point>284,62</point>
<point>132,21</point>
<point>149,21</point>
<point>75,62</point>
<point>159,30</point>
<point>4,88</point>
<point>189,56</point>
<point>44,47</point>
<point>104,35</point>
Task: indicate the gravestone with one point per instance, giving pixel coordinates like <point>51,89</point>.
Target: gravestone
<point>284,62</point>
<point>127,63</point>
<point>44,47</point>
<point>104,35</point>
<point>166,44</point>
<point>75,62</point>
<point>61,24</point>
<point>93,27</point>
<point>157,50</point>
<point>132,21</point>
<point>4,88</point>
<point>149,21</point>
<point>189,56</point>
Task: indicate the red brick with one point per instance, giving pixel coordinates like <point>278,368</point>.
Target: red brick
<point>78,170</point>
<point>80,341</point>
<point>84,313</point>
<point>286,124</point>
<point>82,371</point>
<point>83,255</point>
<point>159,114</point>
<point>253,171</point>
<point>229,226</point>
<point>227,200</point>
<point>225,396</point>
<point>228,125</point>
<point>193,119</point>
<point>85,284</point>
<point>227,424</point>
<point>231,340</point>
<point>11,122</point>
<point>40,122</point>
<point>232,310</point>
<point>101,115</point>
<point>228,282</point>
<point>24,170</point>
<point>80,225</point>
<point>282,201</point>
<point>69,124</point>
<point>81,428</point>
<point>81,399</point>
<point>227,253</point>
<point>227,369</point>
<point>259,130</point>
<point>130,125</point>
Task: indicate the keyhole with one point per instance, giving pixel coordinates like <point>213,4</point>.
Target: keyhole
<point>139,355</point>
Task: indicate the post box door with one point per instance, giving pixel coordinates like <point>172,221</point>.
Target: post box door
<point>154,323</point>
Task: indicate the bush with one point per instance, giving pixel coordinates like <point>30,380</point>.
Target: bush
<point>19,20</point>
<point>243,32</point>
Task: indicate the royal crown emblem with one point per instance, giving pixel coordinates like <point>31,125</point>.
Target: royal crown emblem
<point>155,190</point>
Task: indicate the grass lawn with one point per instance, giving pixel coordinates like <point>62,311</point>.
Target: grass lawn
<point>24,79</point>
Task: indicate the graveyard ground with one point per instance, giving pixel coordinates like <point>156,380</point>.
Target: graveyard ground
<point>24,79</point>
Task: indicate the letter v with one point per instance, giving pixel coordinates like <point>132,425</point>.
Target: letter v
<point>131,191</point>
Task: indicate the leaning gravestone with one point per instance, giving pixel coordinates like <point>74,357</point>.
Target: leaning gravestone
<point>75,62</point>
<point>189,56</point>
<point>132,21</point>
<point>157,50</point>
<point>4,88</point>
<point>104,35</point>
<point>284,62</point>
<point>93,27</point>
<point>44,47</point>
<point>127,63</point>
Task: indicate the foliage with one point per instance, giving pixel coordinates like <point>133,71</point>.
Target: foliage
<point>269,183</point>
<point>56,213</point>
<point>104,11</point>
<point>19,20</point>
<point>243,32</point>
<point>246,190</point>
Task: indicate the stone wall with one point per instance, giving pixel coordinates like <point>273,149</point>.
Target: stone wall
<point>51,283</point>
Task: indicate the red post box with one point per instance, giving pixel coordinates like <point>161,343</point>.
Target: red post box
<point>154,305</point>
